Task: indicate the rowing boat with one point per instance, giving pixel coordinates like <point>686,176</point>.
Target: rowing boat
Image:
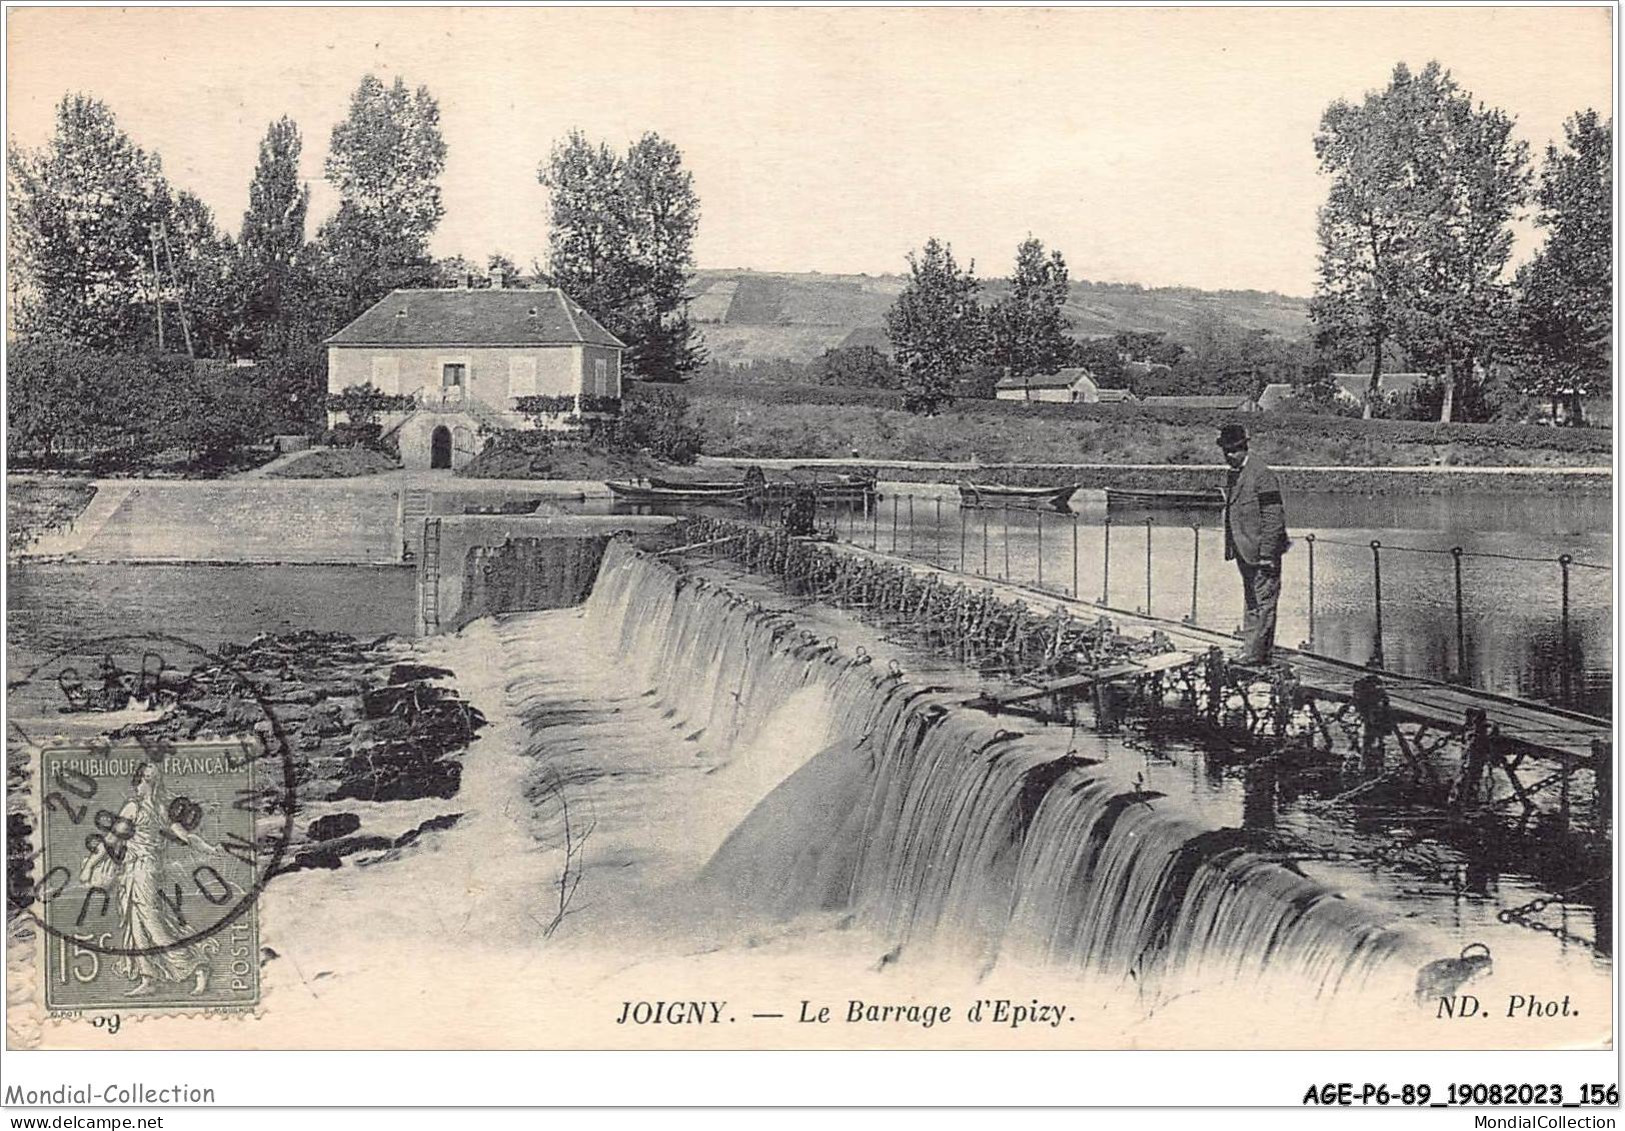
<point>644,495</point>
<point>999,495</point>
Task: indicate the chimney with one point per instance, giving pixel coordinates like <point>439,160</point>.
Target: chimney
<point>497,278</point>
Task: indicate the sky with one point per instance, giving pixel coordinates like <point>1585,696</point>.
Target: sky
<point>1157,146</point>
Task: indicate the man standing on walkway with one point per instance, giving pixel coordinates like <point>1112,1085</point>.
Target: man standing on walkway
<point>1255,537</point>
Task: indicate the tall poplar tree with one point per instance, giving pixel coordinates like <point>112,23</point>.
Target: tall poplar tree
<point>1564,343</point>
<point>621,244</point>
<point>937,327</point>
<point>274,263</point>
<point>385,160</point>
<point>1026,329</point>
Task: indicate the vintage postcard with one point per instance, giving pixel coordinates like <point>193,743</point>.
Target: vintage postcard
<point>773,528</point>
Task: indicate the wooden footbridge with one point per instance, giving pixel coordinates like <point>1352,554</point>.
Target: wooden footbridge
<point>1044,652</point>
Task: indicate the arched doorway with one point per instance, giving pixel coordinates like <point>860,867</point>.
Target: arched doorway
<point>440,447</point>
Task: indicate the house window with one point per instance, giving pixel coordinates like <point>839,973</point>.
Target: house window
<point>453,375</point>
<point>386,374</point>
<point>521,376</point>
<point>600,378</point>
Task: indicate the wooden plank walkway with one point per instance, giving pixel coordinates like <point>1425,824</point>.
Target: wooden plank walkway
<point>1536,729</point>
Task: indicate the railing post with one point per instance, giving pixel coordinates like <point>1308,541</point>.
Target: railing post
<point>1309,645</point>
<point>1566,673</point>
<point>1106,564</point>
<point>1148,566</point>
<point>984,541</point>
<point>1196,568</point>
<point>911,526</point>
<point>936,535</point>
<point>1377,658</point>
<point>1006,574</point>
<point>1041,548</point>
<point>963,520</point>
<point>1461,627</point>
<point>894,523</point>
<point>1075,593</point>
<point>874,523</point>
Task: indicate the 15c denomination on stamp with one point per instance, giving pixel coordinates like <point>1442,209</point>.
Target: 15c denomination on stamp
<point>148,876</point>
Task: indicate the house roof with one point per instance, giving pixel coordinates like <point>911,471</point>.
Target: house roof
<point>1061,379</point>
<point>1232,403</point>
<point>463,317</point>
<point>1355,384</point>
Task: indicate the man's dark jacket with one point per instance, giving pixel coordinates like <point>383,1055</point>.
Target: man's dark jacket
<point>1254,517</point>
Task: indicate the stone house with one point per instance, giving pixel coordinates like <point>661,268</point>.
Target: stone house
<point>1067,386</point>
<point>453,364</point>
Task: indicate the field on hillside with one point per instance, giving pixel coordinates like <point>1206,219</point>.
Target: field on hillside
<point>762,316</point>
<point>800,421</point>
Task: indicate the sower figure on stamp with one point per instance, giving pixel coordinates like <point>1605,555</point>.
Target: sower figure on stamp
<point>1255,537</point>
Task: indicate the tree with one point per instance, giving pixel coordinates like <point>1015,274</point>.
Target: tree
<point>1563,344</point>
<point>1414,232</point>
<point>274,268</point>
<point>937,327</point>
<point>859,366</point>
<point>385,160</point>
<point>83,212</point>
<point>1026,330</point>
<point>621,244</point>
<point>202,308</point>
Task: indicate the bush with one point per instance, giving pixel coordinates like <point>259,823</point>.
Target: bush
<point>347,434</point>
<point>657,421</point>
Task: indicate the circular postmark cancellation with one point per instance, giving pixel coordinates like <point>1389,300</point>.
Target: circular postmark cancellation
<point>164,805</point>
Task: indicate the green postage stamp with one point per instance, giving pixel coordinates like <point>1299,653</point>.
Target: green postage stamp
<point>147,877</point>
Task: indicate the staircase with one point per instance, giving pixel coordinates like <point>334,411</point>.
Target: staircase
<point>429,577</point>
<point>415,505</point>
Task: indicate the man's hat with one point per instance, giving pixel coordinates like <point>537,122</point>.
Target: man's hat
<point>1232,436</point>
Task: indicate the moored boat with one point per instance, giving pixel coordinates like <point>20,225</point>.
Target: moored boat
<point>1001,495</point>
<point>644,494</point>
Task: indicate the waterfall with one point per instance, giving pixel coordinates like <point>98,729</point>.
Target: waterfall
<point>940,830</point>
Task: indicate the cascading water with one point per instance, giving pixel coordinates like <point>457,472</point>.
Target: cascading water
<point>945,833</point>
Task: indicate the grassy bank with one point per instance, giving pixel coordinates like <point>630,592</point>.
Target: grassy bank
<point>35,506</point>
<point>791,421</point>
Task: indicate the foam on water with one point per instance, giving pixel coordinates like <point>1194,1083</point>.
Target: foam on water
<point>943,832</point>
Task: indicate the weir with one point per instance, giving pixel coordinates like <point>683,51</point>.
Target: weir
<point>950,831</point>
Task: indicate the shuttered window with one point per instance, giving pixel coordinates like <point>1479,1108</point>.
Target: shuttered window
<point>600,378</point>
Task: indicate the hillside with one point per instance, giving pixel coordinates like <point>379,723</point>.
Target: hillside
<point>760,316</point>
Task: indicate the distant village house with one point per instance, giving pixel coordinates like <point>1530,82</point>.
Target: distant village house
<point>1075,385</point>
<point>1353,387</point>
<point>454,360</point>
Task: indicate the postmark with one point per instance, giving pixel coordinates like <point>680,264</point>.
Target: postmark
<point>162,806</point>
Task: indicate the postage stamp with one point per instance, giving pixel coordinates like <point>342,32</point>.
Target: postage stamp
<point>148,875</point>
